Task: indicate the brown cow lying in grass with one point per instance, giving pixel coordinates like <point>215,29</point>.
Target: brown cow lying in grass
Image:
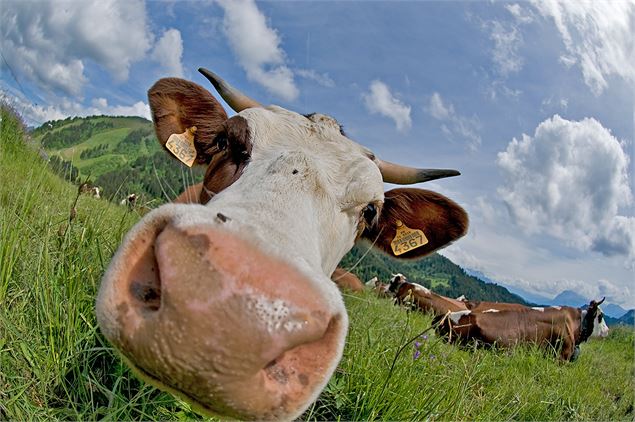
<point>227,302</point>
<point>418,297</point>
<point>552,327</point>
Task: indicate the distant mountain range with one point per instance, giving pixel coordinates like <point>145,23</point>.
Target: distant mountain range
<point>564,298</point>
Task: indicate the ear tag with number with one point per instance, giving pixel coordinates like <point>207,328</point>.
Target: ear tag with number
<point>407,239</point>
<point>182,146</point>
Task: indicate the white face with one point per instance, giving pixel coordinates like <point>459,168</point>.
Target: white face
<point>306,182</point>
<point>600,329</point>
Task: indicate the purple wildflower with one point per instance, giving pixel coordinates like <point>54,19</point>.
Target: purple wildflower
<point>424,337</point>
<point>416,355</point>
<point>417,345</point>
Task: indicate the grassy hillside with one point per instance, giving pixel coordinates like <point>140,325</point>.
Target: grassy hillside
<point>119,154</point>
<point>54,363</point>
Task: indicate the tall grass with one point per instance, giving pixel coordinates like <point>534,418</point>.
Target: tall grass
<point>54,363</point>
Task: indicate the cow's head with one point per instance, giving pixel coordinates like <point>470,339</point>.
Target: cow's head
<point>227,302</point>
<point>593,323</point>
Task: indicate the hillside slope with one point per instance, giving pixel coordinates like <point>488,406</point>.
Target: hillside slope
<point>119,154</point>
<point>55,364</point>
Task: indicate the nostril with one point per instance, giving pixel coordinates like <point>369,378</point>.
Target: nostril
<point>145,279</point>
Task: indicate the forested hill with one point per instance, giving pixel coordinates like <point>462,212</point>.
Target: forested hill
<point>122,156</point>
<point>435,272</point>
<point>119,154</point>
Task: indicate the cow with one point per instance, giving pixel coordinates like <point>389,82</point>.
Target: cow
<point>551,327</point>
<point>347,281</point>
<point>484,306</point>
<point>377,286</point>
<point>89,189</point>
<point>421,298</point>
<point>130,201</point>
<point>227,302</point>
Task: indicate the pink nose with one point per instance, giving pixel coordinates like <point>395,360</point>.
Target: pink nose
<point>206,315</point>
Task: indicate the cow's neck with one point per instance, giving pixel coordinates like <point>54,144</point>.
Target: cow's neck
<point>586,322</point>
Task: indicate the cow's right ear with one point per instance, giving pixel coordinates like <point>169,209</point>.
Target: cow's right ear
<point>441,220</point>
<point>177,105</point>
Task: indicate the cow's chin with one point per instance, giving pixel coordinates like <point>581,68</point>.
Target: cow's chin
<point>282,390</point>
<point>207,316</point>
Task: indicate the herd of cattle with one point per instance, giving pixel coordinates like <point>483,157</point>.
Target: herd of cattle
<point>225,297</point>
<point>487,323</point>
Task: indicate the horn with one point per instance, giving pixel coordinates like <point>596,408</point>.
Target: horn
<point>236,99</point>
<point>600,302</point>
<point>402,175</point>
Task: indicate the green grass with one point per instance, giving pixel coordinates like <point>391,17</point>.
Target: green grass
<point>54,363</point>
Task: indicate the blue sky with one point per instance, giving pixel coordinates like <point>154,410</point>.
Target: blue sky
<point>531,101</point>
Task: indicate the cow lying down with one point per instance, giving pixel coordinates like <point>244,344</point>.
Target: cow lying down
<point>226,300</point>
<point>551,327</point>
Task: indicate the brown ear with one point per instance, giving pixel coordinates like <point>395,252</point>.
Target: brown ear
<point>177,104</point>
<point>440,219</point>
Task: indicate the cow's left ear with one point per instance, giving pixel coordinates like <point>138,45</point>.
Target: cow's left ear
<point>441,220</point>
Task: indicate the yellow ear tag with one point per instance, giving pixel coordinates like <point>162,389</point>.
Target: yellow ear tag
<point>407,239</point>
<point>182,146</point>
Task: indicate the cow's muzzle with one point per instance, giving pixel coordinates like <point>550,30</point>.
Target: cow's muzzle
<point>206,315</point>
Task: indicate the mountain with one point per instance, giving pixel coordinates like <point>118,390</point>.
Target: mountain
<point>613,310</point>
<point>530,297</point>
<point>628,318</point>
<point>119,154</point>
<point>569,298</point>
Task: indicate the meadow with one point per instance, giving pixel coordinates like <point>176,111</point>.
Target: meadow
<point>55,364</point>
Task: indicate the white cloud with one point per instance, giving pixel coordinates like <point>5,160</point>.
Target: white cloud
<point>257,47</point>
<point>521,14</point>
<point>570,181</point>
<point>507,40</point>
<point>453,124</point>
<point>381,101</point>
<point>322,79</point>
<point>168,51</point>
<point>50,42</point>
<point>35,114</point>
<point>597,35</point>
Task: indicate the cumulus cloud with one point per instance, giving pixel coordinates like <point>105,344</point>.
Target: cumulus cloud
<point>454,125</point>
<point>598,37</point>
<point>168,51</point>
<point>36,114</point>
<point>570,181</point>
<point>381,101</point>
<point>257,48</point>
<point>50,42</point>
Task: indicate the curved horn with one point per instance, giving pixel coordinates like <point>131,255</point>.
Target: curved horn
<point>600,302</point>
<point>236,99</point>
<point>402,175</point>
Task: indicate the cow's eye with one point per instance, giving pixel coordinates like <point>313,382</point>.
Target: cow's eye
<point>221,143</point>
<point>369,213</point>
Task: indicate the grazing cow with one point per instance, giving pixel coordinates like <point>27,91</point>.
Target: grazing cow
<point>347,281</point>
<point>380,288</point>
<point>419,297</point>
<point>130,201</point>
<point>227,302</point>
<point>89,189</point>
<point>564,327</point>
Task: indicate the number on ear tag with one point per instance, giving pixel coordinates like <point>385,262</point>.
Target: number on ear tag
<point>182,146</point>
<point>407,239</point>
